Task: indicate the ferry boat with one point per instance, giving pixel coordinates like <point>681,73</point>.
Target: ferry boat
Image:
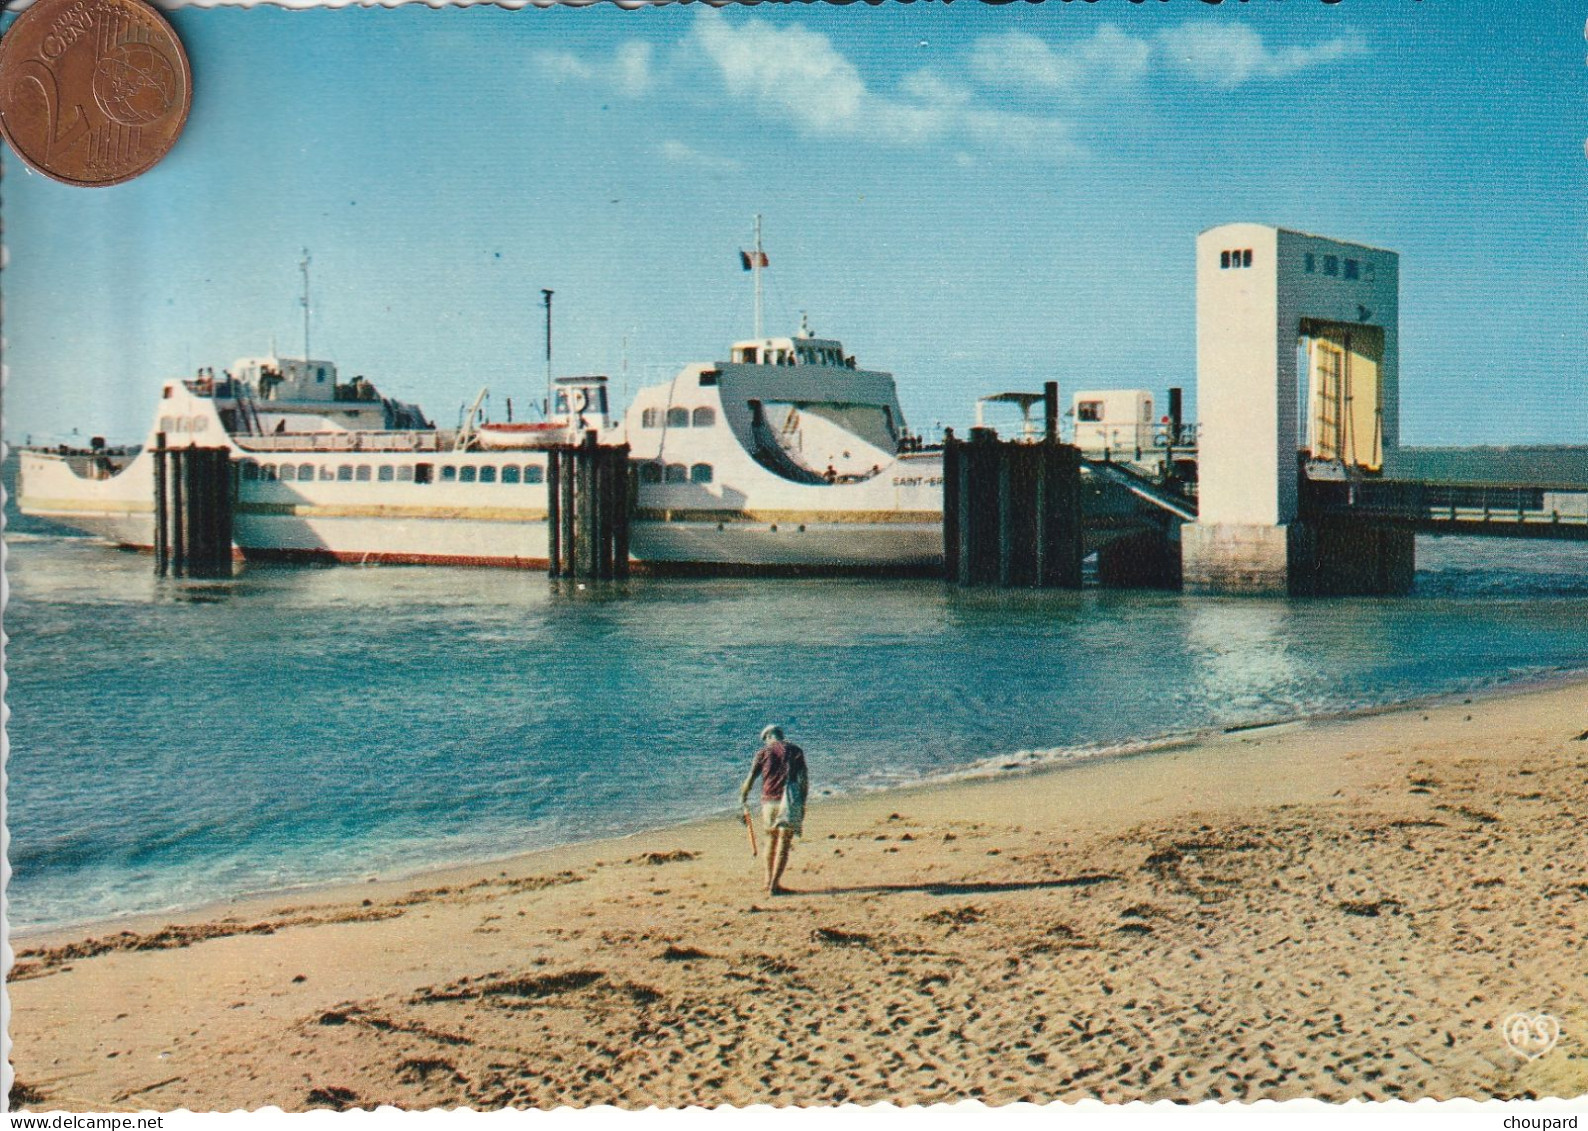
<point>786,456</point>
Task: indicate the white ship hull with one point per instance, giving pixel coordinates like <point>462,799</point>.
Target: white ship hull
<point>726,471</point>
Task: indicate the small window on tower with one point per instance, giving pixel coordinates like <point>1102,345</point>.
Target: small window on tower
<point>1224,260</point>
<point>1331,265</point>
<point>1353,269</point>
<point>1310,263</point>
<point>1246,258</point>
<point>1089,411</point>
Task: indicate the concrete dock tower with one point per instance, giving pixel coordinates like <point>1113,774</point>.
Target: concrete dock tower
<point>1297,363</point>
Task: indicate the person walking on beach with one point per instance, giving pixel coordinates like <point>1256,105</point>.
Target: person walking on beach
<point>784,784</point>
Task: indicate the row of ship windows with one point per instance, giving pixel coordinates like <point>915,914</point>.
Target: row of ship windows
<point>387,473</point>
<point>183,423</point>
<point>421,473</point>
<point>678,418</point>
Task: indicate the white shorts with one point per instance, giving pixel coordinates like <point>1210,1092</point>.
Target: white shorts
<point>784,813</point>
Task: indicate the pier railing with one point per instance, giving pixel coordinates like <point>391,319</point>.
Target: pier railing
<point>1508,511</point>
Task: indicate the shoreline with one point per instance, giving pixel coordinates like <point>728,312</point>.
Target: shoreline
<point>986,771</point>
<point>1342,909</point>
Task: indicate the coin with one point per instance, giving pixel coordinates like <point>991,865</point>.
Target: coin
<point>92,92</point>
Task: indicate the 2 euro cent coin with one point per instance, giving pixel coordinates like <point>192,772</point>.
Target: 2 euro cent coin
<point>92,92</point>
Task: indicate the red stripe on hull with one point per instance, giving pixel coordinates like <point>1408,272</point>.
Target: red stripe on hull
<point>339,557</point>
<point>641,568</point>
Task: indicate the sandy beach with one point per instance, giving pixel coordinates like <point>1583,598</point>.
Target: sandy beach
<point>1341,909</point>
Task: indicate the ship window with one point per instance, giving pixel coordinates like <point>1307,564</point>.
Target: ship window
<point>678,418</point>
<point>1090,411</point>
<point>421,473</point>
<point>168,424</point>
<point>677,473</point>
<point>466,475</point>
<point>449,474</point>
<point>748,355</point>
<point>250,469</point>
<point>305,471</point>
<point>533,473</point>
<point>344,474</point>
<point>362,473</point>
<point>1246,258</point>
<point>700,473</point>
<point>650,473</point>
<point>1224,261</point>
<point>651,418</point>
<point>200,423</point>
<point>1331,265</point>
<point>1353,269</point>
<point>385,473</point>
<point>267,471</point>
<point>703,418</point>
<point>319,374</point>
<point>405,474</point>
<point>288,472</point>
<point>708,377</point>
<point>510,474</point>
<point>488,473</point>
<point>327,473</point>
<point>1309,263</point>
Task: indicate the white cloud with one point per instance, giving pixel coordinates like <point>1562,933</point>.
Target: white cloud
<point>629,67</point>
<point>1227,55</point>
<point>798,75</point>
<point>563,65</point>
<point>680,154</point>
<point>632,64</point>
<point>1017,60</point>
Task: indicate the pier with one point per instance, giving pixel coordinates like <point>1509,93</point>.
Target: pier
<point>1294,481</point>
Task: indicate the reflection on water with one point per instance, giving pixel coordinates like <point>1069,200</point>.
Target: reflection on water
<point>174,742</point>
<point>1243,657</point>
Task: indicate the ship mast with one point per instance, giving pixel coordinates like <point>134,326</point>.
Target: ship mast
<point>755,270</point>
<point>546,296</point>
<point>303,266</point>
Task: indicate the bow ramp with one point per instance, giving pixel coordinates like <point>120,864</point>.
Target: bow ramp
<point>1144,488</point>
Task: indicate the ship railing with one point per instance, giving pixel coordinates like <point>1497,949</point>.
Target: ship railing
<point>406,441</point>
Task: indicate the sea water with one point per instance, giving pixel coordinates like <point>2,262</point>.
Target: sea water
<point>179,742</point>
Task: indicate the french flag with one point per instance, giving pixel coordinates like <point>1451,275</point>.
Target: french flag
<point>752,259</point>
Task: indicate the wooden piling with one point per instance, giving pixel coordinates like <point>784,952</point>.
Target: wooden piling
<point>195,490</point>
<point>162,546</point>
<point>591,491</point>
<point>1011,513</point>
<point>554,514</point>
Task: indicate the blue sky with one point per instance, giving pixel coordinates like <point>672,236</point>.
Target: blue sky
<point>972,197</point>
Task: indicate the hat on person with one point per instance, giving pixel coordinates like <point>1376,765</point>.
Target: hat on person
<point>772,734</point>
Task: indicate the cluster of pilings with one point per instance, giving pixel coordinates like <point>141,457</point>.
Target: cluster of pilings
<point>1012,512</point>
<point>590,496</point>
<point>194,492</point>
